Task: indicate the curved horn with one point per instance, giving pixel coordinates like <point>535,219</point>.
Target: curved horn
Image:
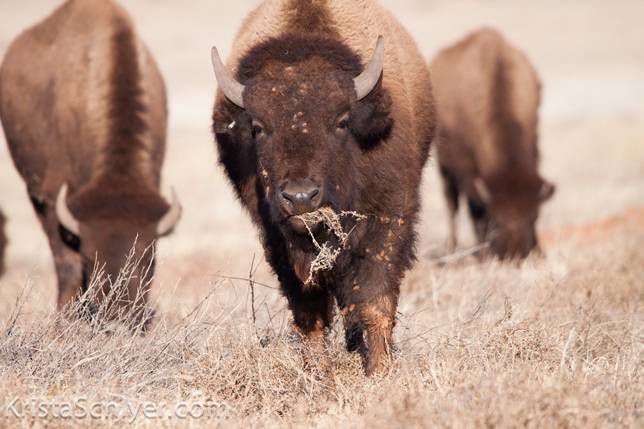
<point>65,216</point>
<point>367,81</point>
<point>483,190</point>
<point>232,89</point>
<point>170,219</point>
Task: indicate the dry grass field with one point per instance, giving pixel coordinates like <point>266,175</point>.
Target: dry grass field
<point>556,341</point>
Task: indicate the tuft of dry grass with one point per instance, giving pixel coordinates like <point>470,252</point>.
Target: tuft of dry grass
<point>329,250</point>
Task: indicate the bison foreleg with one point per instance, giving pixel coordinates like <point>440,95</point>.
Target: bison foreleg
<point>451,192</point>
<point>369,326</point>
<point>312,315</point>
<point>480,219</point>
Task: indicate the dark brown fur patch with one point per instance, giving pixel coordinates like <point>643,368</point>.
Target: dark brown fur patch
<point>126,106</point>
<point>506,129</point>
<point>118,190</point>
<point>309,16</point>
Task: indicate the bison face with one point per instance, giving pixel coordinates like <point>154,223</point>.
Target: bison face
<point>308,121</point>
<point>305,149</point>
<point>125,253</point>
<point>513,206</point>
<point>117,236</point>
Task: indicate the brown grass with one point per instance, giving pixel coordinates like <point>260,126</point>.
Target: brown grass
<point>550,343</point>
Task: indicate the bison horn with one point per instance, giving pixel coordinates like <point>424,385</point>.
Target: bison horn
<point>482,190</point>
<point>65,216</point>
<point>367,81</point>
<point>232,89</point>
<point>547,191</point>
<point>170,219</point>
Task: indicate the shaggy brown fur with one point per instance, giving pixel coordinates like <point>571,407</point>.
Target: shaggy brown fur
<point>82,102</point>
<point>298,60</point>
<point>488,98</point>
<point>3,242</point>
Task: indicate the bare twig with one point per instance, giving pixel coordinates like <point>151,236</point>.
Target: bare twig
<point>457,256</point>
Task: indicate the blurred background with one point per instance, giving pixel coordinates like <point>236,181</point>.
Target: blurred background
<point>589,54</point>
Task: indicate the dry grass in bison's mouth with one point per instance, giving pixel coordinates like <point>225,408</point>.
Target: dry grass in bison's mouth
<point>328,251</point>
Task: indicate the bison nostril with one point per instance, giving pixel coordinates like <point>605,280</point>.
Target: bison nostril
<point>301,197</point>
<point>288,197</point>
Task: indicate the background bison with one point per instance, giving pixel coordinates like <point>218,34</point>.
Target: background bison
<point>87,135</point>
<point>488,97</point>
<point>305,126</point>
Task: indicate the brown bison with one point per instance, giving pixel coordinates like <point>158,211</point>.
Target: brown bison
<point>83,107</point>
<point>488,96</point>
<point>3,242</point>
<point>315,118</point>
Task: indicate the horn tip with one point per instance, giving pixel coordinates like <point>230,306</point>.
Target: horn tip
<point>380,45</point>
<point>214,53</point>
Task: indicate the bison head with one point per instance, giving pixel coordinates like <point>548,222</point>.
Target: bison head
<point>307,109</point>
<point>112,230</point>
<point>513,206</point>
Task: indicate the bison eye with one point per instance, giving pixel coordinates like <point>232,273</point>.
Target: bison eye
<point>258,130</point>
<point>342,123</point>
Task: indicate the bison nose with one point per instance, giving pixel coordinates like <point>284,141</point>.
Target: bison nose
<point>300,196</point>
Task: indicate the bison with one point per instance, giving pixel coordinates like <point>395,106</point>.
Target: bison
<point>314,118</point>
<point>3,242</point>
<point>488,97</point>
<point>83,107</point>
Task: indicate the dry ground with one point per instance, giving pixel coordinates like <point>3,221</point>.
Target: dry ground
<point>557,341</point>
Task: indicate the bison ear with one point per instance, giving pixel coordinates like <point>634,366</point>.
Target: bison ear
<point>371,119</point>
<point>547,191</point>
<point>232,123</point>
<point>223,123</point>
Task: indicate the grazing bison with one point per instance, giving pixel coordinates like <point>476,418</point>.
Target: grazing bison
<point>83,107</point>
<point>315,118</point>
<point>3,243</point>
<point>488,96</point>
